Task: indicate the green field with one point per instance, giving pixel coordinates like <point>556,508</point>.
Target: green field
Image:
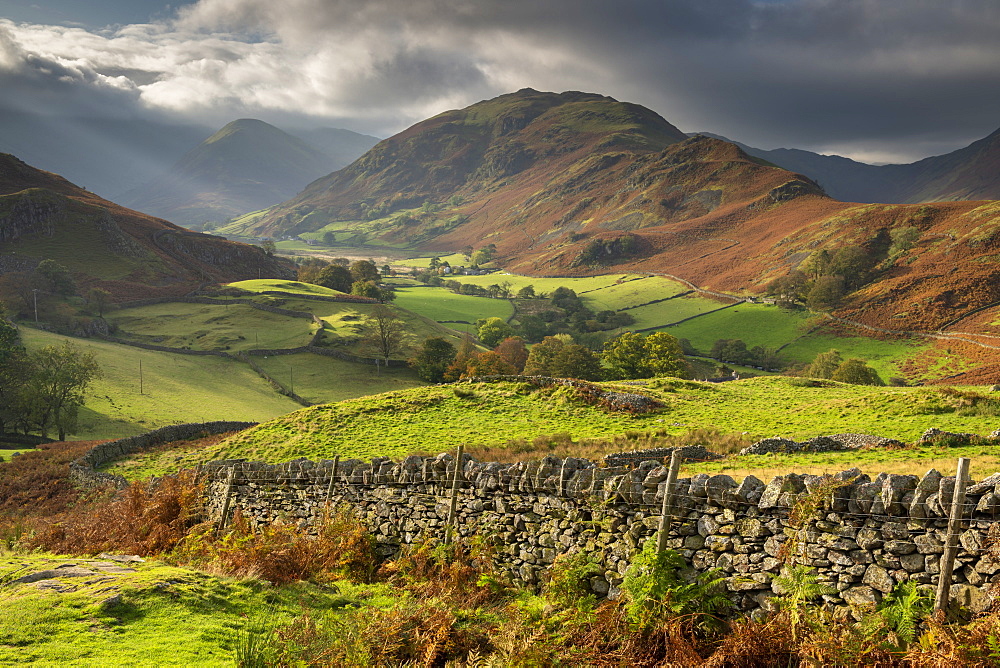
<point>631,293</point>
<point>883,356</point>
<point>175,389</point>
<point>544,284</point>
<point>211,327</point>
<point>664,313</point>
<point>434,419</point>
<point>296,287</point>
<point>323,379</point>
<point>444,306</point>
<point>7,455</point>
<point>150,614</point>
<point>756,324</point>
<point>453,259</point>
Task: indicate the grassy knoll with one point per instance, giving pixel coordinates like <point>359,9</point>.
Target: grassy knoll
<point>325,379</point>
<point>432,419</point>
<point>756,324</point>
<point>211,327</point>
<point>176,389</point>
<point>151,614</point>
<point>443,305</point>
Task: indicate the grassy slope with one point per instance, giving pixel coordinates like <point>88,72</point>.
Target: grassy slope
<point>166,616</point>
<point>443,305</point>
<point>432,419</point>
<point>7,455</point>
<point>210,327</point>
<point>176,389</point>
<point>324,379</point>
<point>756,324</point>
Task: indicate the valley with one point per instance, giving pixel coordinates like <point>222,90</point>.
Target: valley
<point>499,284</point>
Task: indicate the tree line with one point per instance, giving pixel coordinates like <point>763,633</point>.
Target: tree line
<point>41,391</point>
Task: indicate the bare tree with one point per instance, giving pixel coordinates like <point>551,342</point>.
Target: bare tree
<point>384,332</point>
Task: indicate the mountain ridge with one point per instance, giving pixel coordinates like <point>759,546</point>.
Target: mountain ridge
<point>132,255</point>
<point>245,166</point>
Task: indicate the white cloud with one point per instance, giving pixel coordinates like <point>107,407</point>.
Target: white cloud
<point>810,73</point>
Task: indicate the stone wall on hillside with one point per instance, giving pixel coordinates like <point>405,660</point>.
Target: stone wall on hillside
<point>83,471</point>
<point>862,535</point>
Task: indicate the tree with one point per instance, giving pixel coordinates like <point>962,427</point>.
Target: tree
<point>856,372</point>
<point>433,358</point>
<point>57,277</point>
<point>329,238</point>
<point>384,332</point>
<point>309,269</point>
<point>825,364</point>
<point>335,277</point>
<point>527,292</point>
<point>364,270</point>
<point>269,247</point>
<point>559,357</point>
<point>827,291</point>
<point>576,361</point>
<point>632,355</point>
<point>372,290</point>
<point>514,352</point>
<point>488,364</point>
<point>491,331</point>
<point>903,239</point>
<point>99,299</point>
<point>59,378</point>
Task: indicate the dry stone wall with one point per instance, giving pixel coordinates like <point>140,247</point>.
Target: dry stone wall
<point>863,535</point>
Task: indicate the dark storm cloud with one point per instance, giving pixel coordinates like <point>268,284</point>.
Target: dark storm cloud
<point>881,79</point>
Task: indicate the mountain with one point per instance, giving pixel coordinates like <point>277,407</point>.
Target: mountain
<point>970,173</point>
<point>107,156</point>
<point>245,166</point>
<point>132,255</point>
<point>576,184</point>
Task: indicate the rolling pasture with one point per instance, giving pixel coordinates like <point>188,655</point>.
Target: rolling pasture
<point>175,389</point>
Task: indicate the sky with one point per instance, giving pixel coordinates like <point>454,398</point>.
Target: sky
<point>875,80</point>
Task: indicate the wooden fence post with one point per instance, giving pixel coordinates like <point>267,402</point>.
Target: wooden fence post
<point>453,509</point>
<point>668,501</point>
<point>951,540</point>
<point>333,477</point>
<point>228,498</point>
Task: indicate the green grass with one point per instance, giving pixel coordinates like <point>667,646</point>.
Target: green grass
<point>664,313</point>
<point>434,419</point>
<point>176,389</point>
<point>443,305</point>
<point>632,293</point>
<point>325,379</point>
<point>211,327</point>
<point>544,284</point>
<point>7,455</point>
<point>756,324</point>
<point>165,616</point>
<point>296,287</point>
<point>884,356</point>
<point>985,460</point>
<point>453,259</point>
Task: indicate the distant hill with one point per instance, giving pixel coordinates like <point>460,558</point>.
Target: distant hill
<point>44,216</point>
<point>970,173</point>
<point>107,156</point>
<point>245,166</point>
